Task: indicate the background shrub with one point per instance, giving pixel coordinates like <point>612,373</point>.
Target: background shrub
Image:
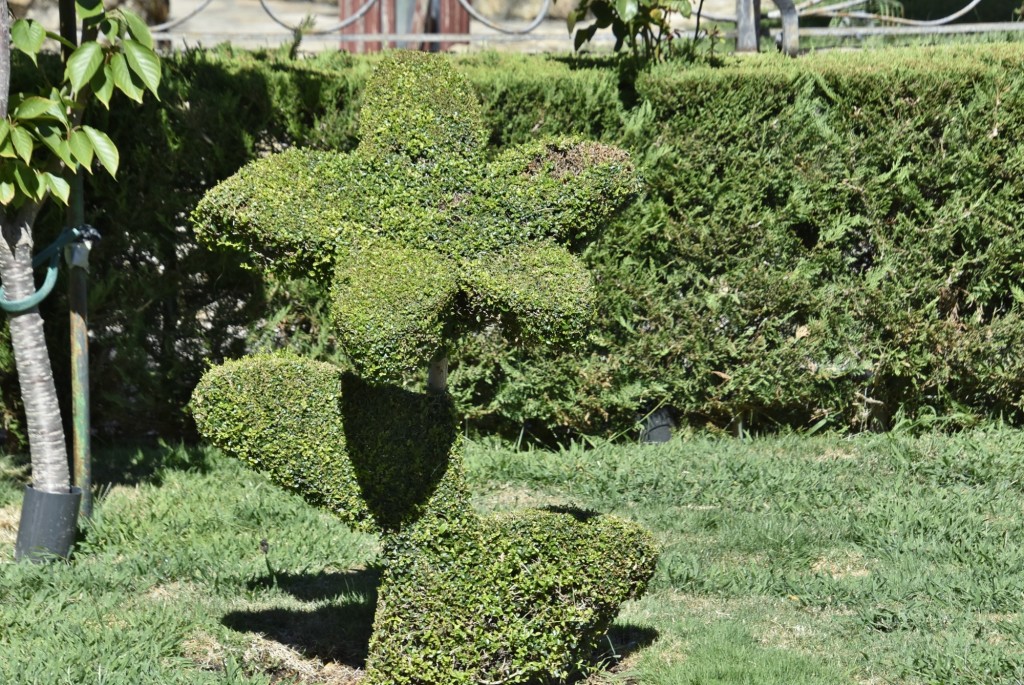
<point>831,239</point>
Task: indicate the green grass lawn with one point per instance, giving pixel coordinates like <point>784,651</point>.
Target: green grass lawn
<point>876,559</point>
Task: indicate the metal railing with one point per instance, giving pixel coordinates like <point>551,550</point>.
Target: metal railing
<point>372,23</point>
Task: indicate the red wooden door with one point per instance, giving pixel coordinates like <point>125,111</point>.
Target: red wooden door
<point>452,18</point>
<point>372,22</point>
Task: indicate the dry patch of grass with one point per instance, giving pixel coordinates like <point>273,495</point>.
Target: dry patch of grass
<point>843,565</point>
<point>835,453</point>
<point>512,497</point>
<point>279,662</point>
<point>282,663</point>
<point>9,518</point>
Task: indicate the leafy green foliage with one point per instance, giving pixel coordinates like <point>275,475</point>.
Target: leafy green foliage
<point>823,242</point>
<point>643,26</point>
<point>416,221</point>
<point>51,122</point>
<point>541,586</point>
<point>708,276</point>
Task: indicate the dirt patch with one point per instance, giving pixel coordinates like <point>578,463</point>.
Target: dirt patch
<point>511,498</point>
<point>620,674</point>
<point>845,566</point>
<point>792,636</point>
<point>204,651</point>
<point>9,518</point>
<point>273,659</point>
<point>283,663</point>
<point>171,592</point>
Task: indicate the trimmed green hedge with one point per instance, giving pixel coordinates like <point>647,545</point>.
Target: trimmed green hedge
<point>516,598</point>
<point>820,235</point>
<point>834,238</point>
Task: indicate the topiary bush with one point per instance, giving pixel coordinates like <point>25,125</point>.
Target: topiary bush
<point>422,239</point>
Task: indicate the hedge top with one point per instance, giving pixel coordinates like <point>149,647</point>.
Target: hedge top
<point>420,235</point>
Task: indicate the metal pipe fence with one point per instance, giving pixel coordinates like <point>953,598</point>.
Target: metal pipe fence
<point>369,25</point>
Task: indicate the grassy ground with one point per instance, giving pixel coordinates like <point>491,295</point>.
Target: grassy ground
<point>879,559</point>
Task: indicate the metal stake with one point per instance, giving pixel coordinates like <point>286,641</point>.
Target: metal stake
<point>77,256</point>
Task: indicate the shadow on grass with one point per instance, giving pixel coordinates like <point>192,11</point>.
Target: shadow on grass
<point>130,465</point>
<point>623,640</point>
<point>337,632</point>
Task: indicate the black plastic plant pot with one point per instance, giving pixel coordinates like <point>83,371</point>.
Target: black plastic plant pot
<point>49,521</point>
<point>657,427</point>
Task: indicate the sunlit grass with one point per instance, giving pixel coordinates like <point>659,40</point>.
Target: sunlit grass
<point>877,559</point>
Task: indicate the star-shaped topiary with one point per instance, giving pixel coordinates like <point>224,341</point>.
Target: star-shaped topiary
<point>421,236</point>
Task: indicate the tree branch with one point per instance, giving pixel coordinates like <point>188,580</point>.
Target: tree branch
<point>5,57</point>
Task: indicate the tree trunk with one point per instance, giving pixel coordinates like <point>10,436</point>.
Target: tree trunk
<point>437,375</point>
<point>50,471</point>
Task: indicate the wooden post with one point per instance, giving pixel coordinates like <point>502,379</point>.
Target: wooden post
<point>379,19</point>
<point>790,27</point>
<point>748,25</point>
<point>452,19</point>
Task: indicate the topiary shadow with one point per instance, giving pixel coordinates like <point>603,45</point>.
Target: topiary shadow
<point>338,631</point>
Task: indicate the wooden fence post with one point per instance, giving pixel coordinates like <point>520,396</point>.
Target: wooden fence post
<point>748,25</point>
<point>379,19</point>
<point>453,18</point>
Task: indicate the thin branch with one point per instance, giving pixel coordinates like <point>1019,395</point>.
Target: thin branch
<point>5,57</point>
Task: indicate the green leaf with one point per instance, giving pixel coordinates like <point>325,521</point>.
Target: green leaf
<point>83,64</point>
<point>6,192</point>
<point>138,28</point>
<point>574,17</point>
<point>145,64</point>
<point>7,150</point>
<point>5,129</point>
<point>627,9</point>
<point>1018,293</point>
<point>23,143</point>
<point>123,78</point>
<point>58,186</point>
<point>36,107</point>
<point>102,85</point>
<point>111,28</point>
<point>81,148</point>
<point>88,8</point>
<point>51,137</point>
<point>28,36</point>
<point>28,181</point>
<point>103,146</point>
<point>681,6</point>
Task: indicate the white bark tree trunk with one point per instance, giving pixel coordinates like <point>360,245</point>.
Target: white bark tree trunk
<point>437,376</point>
<point>50,472</point>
